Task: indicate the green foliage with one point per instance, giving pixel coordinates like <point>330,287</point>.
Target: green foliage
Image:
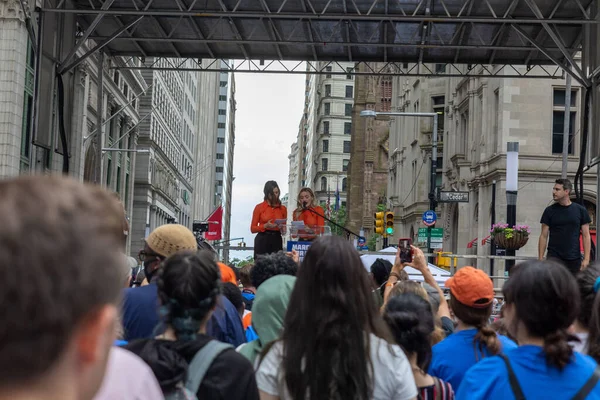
<point>339,217</point>
<point>236,262</point>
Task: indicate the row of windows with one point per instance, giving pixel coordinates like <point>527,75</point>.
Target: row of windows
<point>346,146</point>
<point>161,138</point>
<point>347,128</point>
<point>325,164</point>
<point>186,167</point>
<point>324,186</point>
<point>347,109</point>
<point>163,105</point>
<point>349,91</point>
<point>349,70</point>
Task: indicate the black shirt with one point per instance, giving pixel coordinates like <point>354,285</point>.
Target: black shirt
<point>565,225</point>
<point>230,376</point>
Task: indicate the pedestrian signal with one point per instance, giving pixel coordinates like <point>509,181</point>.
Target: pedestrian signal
<point>389,223</point>
<point>379,223</point>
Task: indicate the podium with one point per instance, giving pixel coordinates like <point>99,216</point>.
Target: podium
<point>299,237</point>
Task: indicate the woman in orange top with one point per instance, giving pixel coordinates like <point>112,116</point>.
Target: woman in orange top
<point>268,239</point>
<point>313,222</point>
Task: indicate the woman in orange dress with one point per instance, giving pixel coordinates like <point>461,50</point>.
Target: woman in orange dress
<point>268,239</point>
<point>304,212</point>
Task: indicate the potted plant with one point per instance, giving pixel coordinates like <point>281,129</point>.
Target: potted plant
<point>510,238</point>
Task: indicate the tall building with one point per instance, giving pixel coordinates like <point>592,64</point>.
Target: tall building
<point>165,173</point>
<point>478,116</point>
<point>225,178</point>
<point>368,171</point>
<point>327,132</point>
<point>293,181</point>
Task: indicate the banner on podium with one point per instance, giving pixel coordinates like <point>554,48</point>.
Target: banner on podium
<point>300,247</point>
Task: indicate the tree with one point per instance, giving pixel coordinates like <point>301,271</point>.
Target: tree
<point>236,262</point>
<point>339,217</point>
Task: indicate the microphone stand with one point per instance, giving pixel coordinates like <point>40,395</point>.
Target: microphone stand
<point>348,231</point>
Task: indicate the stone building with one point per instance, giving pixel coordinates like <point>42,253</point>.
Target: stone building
<point>478,116</point>
<point>368,169</point>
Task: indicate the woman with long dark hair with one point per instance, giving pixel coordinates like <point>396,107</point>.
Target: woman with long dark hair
<point>471,300</point>
<point>264,221</point>
<point>542,301</point>
<point>189,286</point>
<point>334,344</point>
<point>410,318</point>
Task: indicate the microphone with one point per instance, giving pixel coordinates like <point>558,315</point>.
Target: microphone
<point>304,205</point>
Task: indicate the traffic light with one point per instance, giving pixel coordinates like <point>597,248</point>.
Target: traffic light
<point>389,223</point>
<point>379,223</point>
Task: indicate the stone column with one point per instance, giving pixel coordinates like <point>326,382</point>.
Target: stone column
<point>13,52</point>
<point>78,121</point>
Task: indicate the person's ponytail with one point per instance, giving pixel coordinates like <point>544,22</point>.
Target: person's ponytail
<point>557,349</point>
<point>486,338</point>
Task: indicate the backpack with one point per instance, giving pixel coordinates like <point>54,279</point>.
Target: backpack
<point>197,370</point>
<point>589,385</point>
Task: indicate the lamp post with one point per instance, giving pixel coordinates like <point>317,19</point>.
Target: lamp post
<point>512,187</point>
<point>434,141</point>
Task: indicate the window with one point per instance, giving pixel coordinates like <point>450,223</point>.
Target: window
<point>346,146</point>
<point>220,156</point>
<point>219,183</point>
<point>222,112</point>
<point>116,77</point>
<point>349,92</point>
<point>558,120</point>
<point>220,140</point>
<point>328,69</point>
<point>323,184</point>
<point>439,103</point>
<point>223,84</point>
<point>344,184</point>
<point>327,108</point>
<point>325,146</point>
<point>327,90</point>
<point>219,169</point>
<point>126,91</point>
<point>349,71</point>
<point>347,128</point>
<point>324,165</point>
<point>345,164</point>
<point>348,110</point>
<point>440,68</point>
<point>326,127</point>
<point>221,125</point>
<point>222,98</point>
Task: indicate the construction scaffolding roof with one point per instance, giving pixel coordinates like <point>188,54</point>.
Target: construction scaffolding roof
<point>521,32</point>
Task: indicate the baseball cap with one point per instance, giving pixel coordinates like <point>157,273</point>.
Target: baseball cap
<point>471,287</point>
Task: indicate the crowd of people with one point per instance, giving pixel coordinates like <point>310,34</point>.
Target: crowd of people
<point>323,328</point>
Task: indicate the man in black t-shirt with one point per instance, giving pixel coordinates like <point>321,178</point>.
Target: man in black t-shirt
<point>564,220</point>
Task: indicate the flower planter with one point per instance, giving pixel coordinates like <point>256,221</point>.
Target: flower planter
<point>517,240</point>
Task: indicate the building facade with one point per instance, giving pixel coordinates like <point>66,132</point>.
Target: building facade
<point>477,117</point>
<point>368,171</point>
<point>325,130</point>
<point>227,135</point>
<point>165,171</point>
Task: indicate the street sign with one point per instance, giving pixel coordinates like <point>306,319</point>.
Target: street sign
<point>453,197</point>
<point>437,237</point>
<point>429,218</point>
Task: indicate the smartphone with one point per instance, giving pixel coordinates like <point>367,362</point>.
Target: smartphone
<point>406,252</point>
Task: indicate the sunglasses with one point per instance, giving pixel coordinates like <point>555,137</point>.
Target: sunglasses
<point>144,256</point>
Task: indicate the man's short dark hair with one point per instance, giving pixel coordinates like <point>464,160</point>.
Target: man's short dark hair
<point>270,265</point>
<point>566,184</point>
<point>60,249</point>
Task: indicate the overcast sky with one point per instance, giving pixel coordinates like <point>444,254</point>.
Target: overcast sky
<point>269,108</point>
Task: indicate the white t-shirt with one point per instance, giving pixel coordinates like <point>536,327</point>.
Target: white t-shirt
<point>395,380</point>
<point>581,346</point>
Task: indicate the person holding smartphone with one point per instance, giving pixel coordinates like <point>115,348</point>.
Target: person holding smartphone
<point>265,220</point>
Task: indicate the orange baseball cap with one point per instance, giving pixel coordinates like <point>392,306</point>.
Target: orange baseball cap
<point>227,274</point>
<point>472,287</point>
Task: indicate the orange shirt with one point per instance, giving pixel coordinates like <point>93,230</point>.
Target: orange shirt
<point>310,218</point>
<point>264,213</point>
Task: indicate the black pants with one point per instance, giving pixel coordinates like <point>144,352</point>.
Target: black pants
<point>572,265</point>
<point>267,242</point>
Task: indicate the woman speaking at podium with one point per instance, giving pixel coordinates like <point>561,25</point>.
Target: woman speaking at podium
<point>267,218</point>
<point>309,212</point>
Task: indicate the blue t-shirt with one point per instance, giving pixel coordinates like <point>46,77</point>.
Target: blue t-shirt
<point>453,356</point>
<point>489,378</point>
<point>140,312</point>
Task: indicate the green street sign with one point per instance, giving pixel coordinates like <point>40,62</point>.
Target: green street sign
<point>435,233</point>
